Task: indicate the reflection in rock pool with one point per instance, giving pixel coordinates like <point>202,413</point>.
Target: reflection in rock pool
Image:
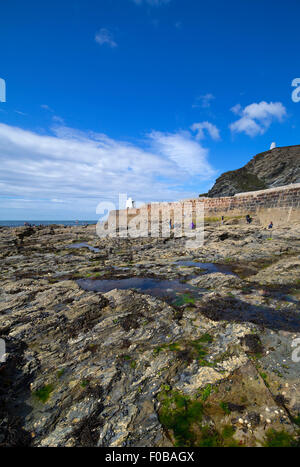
<point>171,290</point>
<point>83,245</point>
<point>207,267</point>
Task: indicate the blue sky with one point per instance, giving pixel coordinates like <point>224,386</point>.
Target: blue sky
<point>151,98</point>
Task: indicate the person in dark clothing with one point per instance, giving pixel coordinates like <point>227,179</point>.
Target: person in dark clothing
<point>271,225</point>
<point>248,219</point>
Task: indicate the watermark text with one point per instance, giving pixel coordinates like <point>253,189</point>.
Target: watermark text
<point>2,351</point>
<point>296,92</point>
<point>2,90</point>
<point>154,220</point>
<point>296,351</point>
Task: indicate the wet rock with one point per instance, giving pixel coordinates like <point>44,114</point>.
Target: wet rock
<point>216,281</point>
<point>86,368</point>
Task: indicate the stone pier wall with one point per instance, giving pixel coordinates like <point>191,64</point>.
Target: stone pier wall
<point>280,205</point>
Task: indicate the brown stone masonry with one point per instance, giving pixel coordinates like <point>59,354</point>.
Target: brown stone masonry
<point>280,205</point>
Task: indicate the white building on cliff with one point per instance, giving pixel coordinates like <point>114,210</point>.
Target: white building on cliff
<point>130,203</point>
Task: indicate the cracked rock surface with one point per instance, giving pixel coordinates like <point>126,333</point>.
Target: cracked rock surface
<point>142,342</point>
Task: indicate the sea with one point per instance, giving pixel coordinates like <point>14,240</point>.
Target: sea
<point>39,222</point>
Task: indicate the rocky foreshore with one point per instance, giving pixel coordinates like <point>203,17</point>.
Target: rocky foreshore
<point>141,342</point>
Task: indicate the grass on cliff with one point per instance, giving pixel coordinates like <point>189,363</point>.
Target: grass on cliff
<point>244,181</point>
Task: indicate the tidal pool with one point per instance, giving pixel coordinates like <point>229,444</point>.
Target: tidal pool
<point>84,245</point>
<point>171,290</point>
<point>208,268</point>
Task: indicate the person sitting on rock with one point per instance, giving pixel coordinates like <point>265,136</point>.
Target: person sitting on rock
<point>271,225</point>
<point>248,219</point>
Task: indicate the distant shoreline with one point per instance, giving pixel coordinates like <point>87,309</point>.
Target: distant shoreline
<point>21,223</point>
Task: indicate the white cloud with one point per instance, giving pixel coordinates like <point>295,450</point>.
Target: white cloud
<point>21,113</point>
<point>152,2</point>
<point>82,168</point>
<point>104,36</point>
<point>55,200</point>
<point>188,154</point>
<point>247,125</point>
<point>255,119</point>
<point>210,127</point>
<point>58,119</point>
<point>46,107</point>
<point>204,101</point>
<point>237,109</point>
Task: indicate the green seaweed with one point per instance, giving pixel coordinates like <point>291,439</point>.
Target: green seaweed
<point>126,357</point>
<point>205,393</point>
<point>206,338</point>
<point>174,346</point>
<point>84,383</point>
<point>210,438</point>
<point>60,373</point>
<point>280,439</point>
<point>178,413</point>
<point>43,394</point>
<point>225,408</point>
<point>228,431</point>
<point>183,417</point>
<point>184,299</point>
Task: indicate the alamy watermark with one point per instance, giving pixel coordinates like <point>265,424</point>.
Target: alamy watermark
<point>2,90</point>
<point>154,220</point>
<point>296,92</point>
<point>296,351</point>
<point>2,351</point>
